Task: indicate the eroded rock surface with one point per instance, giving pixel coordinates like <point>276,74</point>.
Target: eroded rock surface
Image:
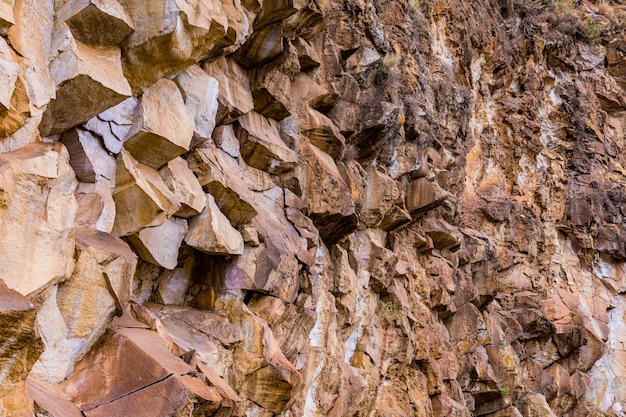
<point>312,208</point>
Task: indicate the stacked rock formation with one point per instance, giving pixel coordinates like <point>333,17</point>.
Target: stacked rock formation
<point>312,208</point>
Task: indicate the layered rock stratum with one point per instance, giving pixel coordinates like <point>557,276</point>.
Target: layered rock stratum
<point>312,208</point>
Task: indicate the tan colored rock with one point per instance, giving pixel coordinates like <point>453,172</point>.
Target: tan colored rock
<point>14,102</point>
<point>96,22</point>
<point>51,398</point>
<point>141,197</point>
<point>186,32</point>
<point>307,55</point>
<point>423,195</point>
<point>88,81</point>
<point>162,129</point>
<point>172,285</point>
<point>96,207</point>
<point>229,190</point>
<point>200,93</point>
<point>6,15</point>
<point>225,139</point>
<point>90,161</point>
<point>21,346</point>
<point>326,194</point>
<point>9,70</point>
<point>381,196</point>
<point>182,182</point>
<point>234,98</point>
<point>211,232</point>
<point>261,145</point>
<point>37,249</point>
<point>159,245</point>
<point>271,85</point>
<point>263,46</point>
<point>114,124</point>
<point>68,321</point>
<point>321,131</point>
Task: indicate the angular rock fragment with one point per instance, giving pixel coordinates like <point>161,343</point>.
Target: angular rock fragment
<point>96,22</point>
<point>141,197</point>
<point>211,232</point>
<point>321,131</point>
<point>78,312</point>
<point>96,207</point>
<point>261,145</point>
<point>14,102</point>
<point>37,248</point>
<point>382,201</point>
<point>20,347</point>
<point>162,129</point>
<point>424,195</point>
<point>271,86</point>
<point>90,161</point>
<point>263,46</point>
<point>6,15</point>
<point>51,398</point>
<point>114,124</point>
<point>234,98</point>
<point>170,36</point>
<point>200,93</point>
<point>326,194</point>
<point>225,139</point>
<point>307,55</point>
<point>273,12</point>
<point>159,245</point>
<point>9,70</point>
<point>88,81</point>
<point>182,182</point>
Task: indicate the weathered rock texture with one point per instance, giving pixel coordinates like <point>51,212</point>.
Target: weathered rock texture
<point>312,208</point>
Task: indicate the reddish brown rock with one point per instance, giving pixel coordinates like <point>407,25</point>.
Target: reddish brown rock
<point>234,99</point>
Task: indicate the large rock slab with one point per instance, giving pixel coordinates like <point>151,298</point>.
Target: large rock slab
<point>234,99</point>
<point>141,197</point>
<point>172,35</point>
<point>159,245</point>
<point>261,145</point>
<point>200,92</point>
<point>211,232</point>
<point>77,313</point>
<point>88,81</point>
<point>36,249</point>
<point>20,347</point>
<point>162,129</point>
<point>96,22</point>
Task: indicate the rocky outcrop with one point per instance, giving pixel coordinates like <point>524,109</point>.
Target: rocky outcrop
<point>312,208</point>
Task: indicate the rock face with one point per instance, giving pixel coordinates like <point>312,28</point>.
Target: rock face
<point>312,208</point>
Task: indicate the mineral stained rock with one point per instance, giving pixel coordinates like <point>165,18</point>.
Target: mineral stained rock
<point>312,208</point>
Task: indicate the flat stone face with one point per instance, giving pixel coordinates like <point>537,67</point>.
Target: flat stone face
<point>37,249</point>
<point>96,22</point>
<point>162,129</point>
<point>159,245</point>
<point>182,182</point>
<point>89,159</point>
<point>234,98</point>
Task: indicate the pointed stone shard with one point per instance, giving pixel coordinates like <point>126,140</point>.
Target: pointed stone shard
<point>20,347</point>
<point>211,232</point>
<point>141,197</point>
<point>36,249</point>
<point>159,245</point>
<point>90,161</point>
<point>88,81</point>
<point>182,182</point>
<point>96,22</point>
<point>200,92</point>
<point>162,129</point>
<point>114,124</point>
<point>234,99</point>
<point>261,145</point>
<point>76,314</point>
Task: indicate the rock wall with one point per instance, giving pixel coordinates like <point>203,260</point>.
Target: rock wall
<point>312,208</point>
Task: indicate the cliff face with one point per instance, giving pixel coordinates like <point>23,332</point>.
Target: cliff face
<point>312,208</point>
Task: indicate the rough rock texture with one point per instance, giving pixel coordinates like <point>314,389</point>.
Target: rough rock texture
<point>312,208</point>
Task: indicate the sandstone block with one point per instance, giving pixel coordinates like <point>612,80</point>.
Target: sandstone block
<point>170,36</point>
<point>200,92</point>
<point>141,197</point>
<point>211,232</point>
<point>234,99</point>
<point>9,70</point>
<point>14,101</point>
<point>36,249</point>
<point>263,46</point>
<point>271,91</point>
<point>96,22</point>
<point>90,161</point>
<point>51,398</point>
<point>261,145</point>
<point>162,129</point>
<point>20,347</point>
<point>321,131</point>
<point>114,124</point>
<point>326,194</point>
<point>96,207</point>
<point>68,320</point>
<point>182,182</point>
<point>88,81</point>
<point>6,15</point>
<point>307,55</point>
<point>159,245</point>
